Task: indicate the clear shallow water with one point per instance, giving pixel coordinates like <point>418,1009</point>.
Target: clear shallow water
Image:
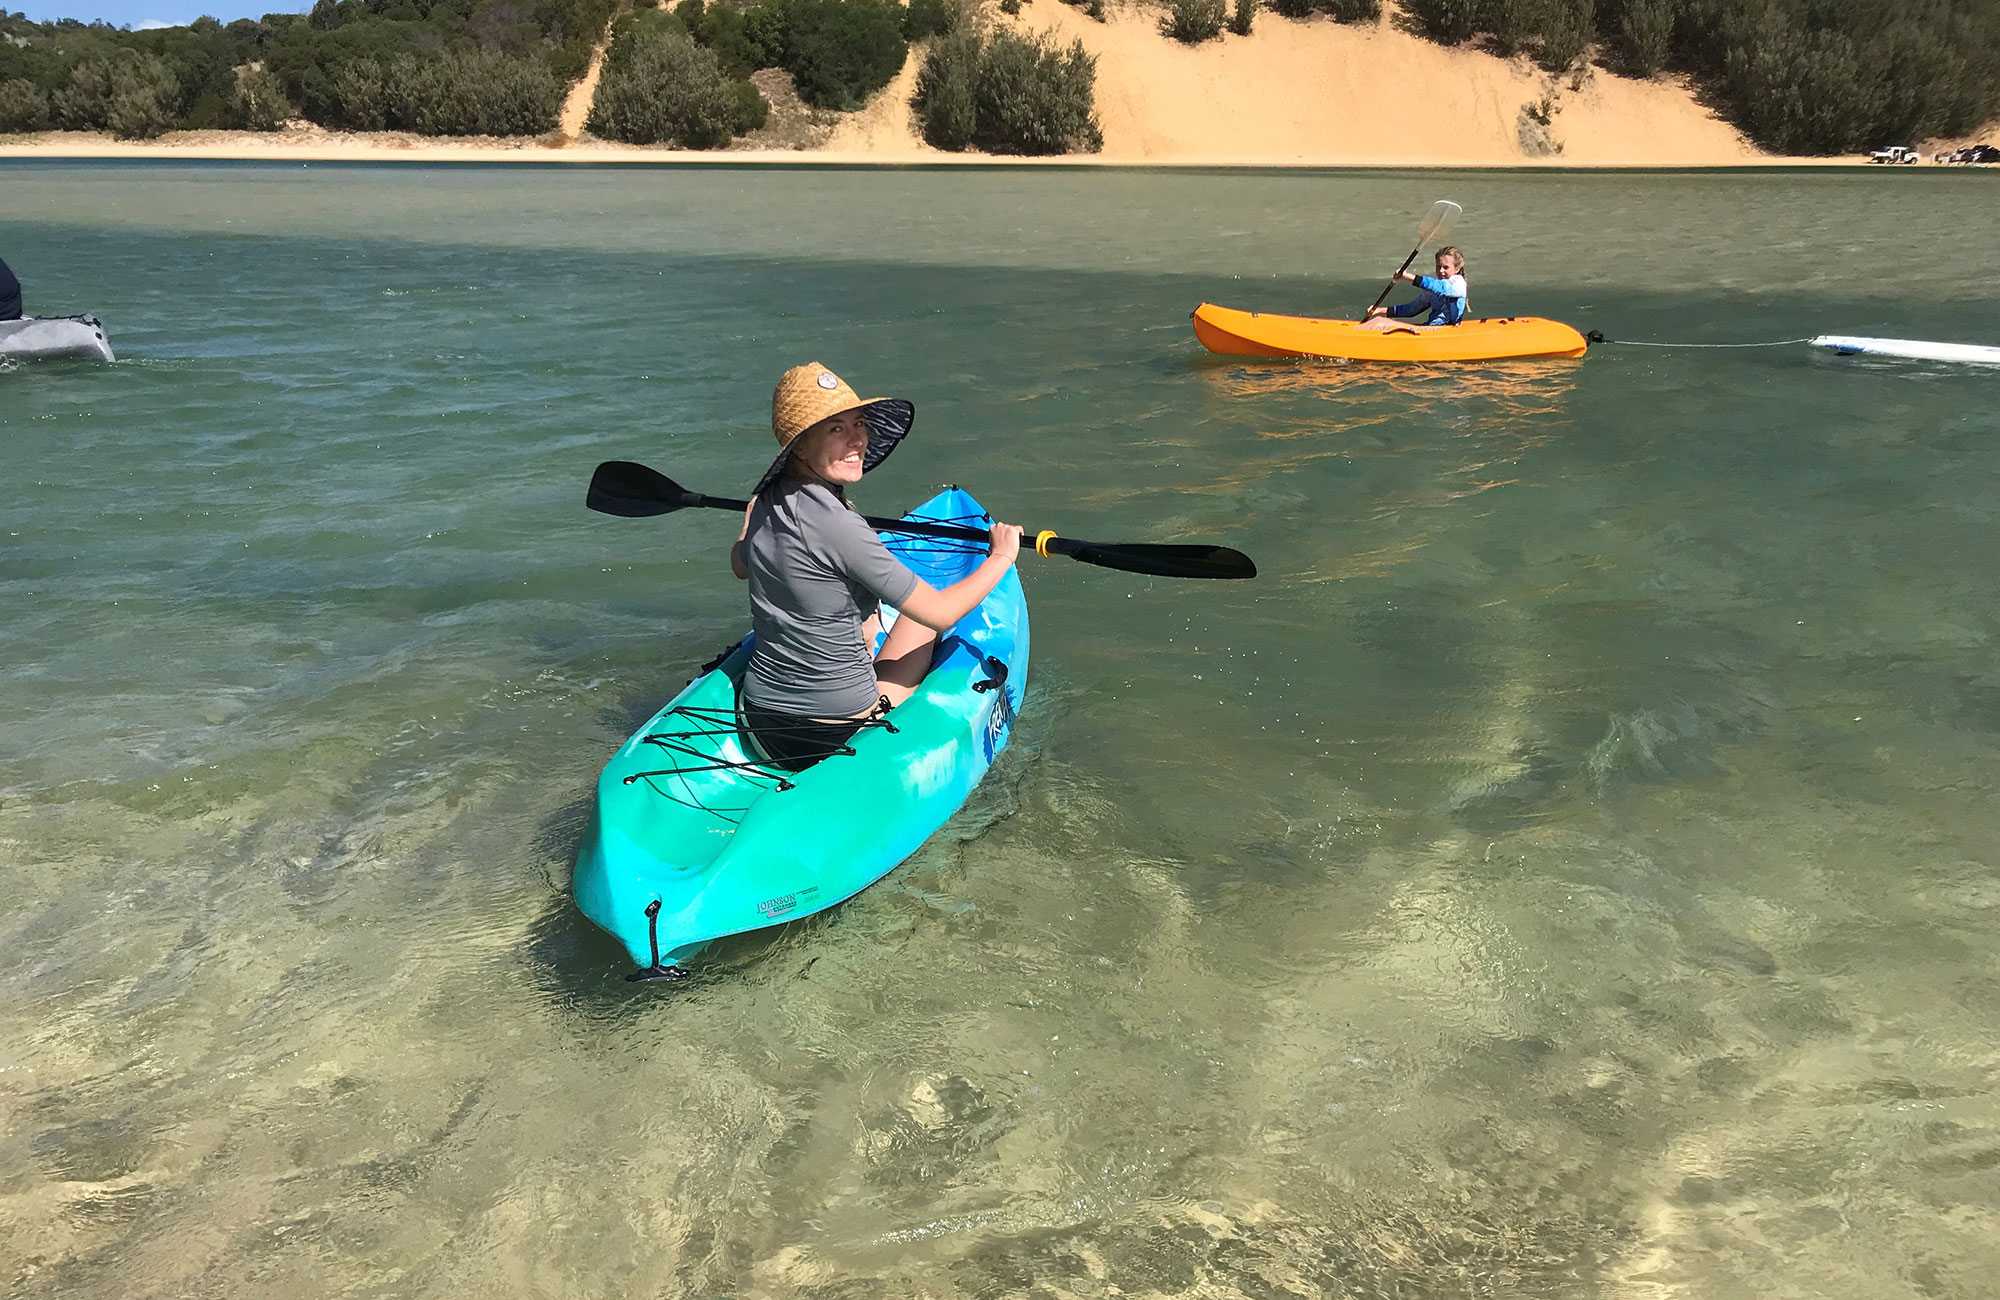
<point>1570,870</point>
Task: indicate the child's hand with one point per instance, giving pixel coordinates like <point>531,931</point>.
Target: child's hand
<point>1373,312</point>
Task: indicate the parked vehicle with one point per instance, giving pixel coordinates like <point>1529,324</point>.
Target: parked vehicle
<point>1895,153</point>
<point>1970,155</point>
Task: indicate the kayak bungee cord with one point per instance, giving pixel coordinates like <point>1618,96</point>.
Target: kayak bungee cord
<point>726,722</point>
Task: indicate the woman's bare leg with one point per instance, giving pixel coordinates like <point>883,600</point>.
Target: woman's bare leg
<point>904,658</point>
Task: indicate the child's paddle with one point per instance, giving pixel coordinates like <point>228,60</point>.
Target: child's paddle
<point>1434,225</point>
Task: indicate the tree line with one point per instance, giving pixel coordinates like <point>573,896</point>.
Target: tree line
<point>442,67</point>
<point>503,67</point>
<point>1799,76</point>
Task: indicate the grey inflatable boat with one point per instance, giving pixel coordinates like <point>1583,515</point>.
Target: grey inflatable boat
<point>55,336</point>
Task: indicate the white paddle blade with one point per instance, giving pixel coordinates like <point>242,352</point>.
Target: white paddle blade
<point>1437,222</point>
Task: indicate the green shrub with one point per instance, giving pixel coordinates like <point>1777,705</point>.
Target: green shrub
<point>667,90</point>
<point>23,106</point>
<point>1032,98</point>
<point>1010,7</point>
<point>1239,21</point>
<point>1295,8</point>
<point>1448,22</point>
<point>840,52</point>
<point>1094,8</point>
<point>1554,31</point>
<point>572,26</point>
<point>1558,30</point>
<point>925,19</point>
<point>260,101</point>
<point>1354,11</point>
<point>947,84</point>
<point>752,109</point>
<point>478,94</point>
<point>359,96</point>
<point>131,95</point>
<point>766,28</point>
<point>453,93</point>
<point>724,30</point>
<point>1643,33</point>
<point>1192,21</point>
<point>641,27</point>
<point>1007,94</point>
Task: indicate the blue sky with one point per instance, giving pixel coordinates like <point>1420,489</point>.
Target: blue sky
<point>155,13</point>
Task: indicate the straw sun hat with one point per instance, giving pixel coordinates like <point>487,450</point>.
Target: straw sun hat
<point>810,393</point>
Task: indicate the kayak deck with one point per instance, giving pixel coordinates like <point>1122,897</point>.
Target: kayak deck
<point>695,838</point>
<point>1230,332</point>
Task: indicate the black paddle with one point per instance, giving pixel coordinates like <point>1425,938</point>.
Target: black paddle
<point>634,491</point>
<point>1434,225</point>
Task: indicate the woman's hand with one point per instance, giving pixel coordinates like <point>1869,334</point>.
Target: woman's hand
<point>1004,541</point>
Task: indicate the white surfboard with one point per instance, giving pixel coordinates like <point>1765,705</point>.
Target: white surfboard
<point>1917,349</point>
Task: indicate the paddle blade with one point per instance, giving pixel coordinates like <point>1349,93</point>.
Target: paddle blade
<point>1164,561</point>
<point>1437,222</point>
<point>633,491</point>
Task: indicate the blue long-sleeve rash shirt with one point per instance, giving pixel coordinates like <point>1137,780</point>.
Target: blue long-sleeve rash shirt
<point>1444,299</point>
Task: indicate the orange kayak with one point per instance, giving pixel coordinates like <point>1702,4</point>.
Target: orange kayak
<point>1260,334</point>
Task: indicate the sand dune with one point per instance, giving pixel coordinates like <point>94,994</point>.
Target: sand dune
<point>1320,91</point>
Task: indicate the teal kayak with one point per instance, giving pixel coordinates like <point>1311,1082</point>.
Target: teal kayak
<point>694,839</point>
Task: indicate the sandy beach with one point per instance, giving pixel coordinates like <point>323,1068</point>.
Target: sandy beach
<point>1292,93</point>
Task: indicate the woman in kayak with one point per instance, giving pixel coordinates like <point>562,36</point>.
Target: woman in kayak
<point>1443,295</point>
<point>818,574</point>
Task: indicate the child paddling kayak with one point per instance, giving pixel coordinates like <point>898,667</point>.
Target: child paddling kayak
<point>1443,295</point>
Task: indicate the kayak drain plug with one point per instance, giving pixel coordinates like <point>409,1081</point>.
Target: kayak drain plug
<point>655,971</point>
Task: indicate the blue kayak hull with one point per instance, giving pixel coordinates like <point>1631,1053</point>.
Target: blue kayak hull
<point>689,843</point>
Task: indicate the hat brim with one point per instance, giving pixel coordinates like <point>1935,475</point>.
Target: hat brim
<point>888,420</point>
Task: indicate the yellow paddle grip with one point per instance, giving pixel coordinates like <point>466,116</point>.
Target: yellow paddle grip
<point>1042,540</point>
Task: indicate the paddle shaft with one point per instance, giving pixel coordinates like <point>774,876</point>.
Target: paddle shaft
<point>1392,281</point>
<point>1051,546</point>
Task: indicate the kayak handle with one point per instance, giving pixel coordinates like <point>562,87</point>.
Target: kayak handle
<point>996,675</point>
<point>655,971</point>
